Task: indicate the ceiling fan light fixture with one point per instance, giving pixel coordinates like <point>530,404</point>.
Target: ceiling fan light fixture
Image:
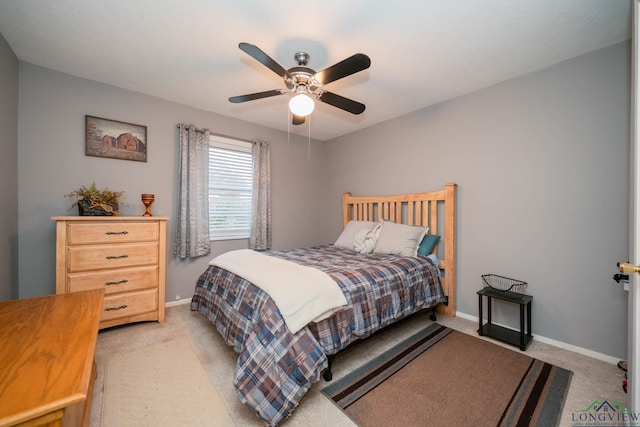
<point>301,105</point>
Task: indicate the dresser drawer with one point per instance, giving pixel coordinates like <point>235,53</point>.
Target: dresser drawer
<point>84,233</point>
<point>113,281</point>
<point>84,258</point>
<point>129,304</point>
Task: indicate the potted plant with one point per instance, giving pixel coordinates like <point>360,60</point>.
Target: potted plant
<point>94,202</point>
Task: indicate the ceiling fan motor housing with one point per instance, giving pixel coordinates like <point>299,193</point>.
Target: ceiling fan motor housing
<point>301,76</point>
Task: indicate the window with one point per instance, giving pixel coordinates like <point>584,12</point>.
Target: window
<point>230,187</point>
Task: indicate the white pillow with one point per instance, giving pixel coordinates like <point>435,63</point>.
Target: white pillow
<point>348,236</point>
<point>399,239</point>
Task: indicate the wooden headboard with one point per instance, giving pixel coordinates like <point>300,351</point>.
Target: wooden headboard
<point>433,209</point>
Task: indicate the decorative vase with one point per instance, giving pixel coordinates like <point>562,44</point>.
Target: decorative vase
<point>147,200</point>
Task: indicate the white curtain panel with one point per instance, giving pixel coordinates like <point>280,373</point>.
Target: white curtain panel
<point>260,237</point>
<point>192,234</point>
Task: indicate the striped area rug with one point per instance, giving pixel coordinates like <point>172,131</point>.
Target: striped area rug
<point>442,377</point>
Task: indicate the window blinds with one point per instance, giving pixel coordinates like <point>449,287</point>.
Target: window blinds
<point>230,187</point>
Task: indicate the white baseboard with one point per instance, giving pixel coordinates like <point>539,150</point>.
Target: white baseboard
<point>586,352</point>
<point>179,302</point>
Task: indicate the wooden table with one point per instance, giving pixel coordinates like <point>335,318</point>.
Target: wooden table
<point>47,347</point>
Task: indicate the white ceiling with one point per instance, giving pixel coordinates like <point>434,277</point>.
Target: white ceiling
<point>422,51</point>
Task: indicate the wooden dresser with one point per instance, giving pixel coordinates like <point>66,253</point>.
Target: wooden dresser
<point>47,359</point>
<point>125,255</point>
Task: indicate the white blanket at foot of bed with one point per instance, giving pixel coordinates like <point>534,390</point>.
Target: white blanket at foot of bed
<point>302,294</point>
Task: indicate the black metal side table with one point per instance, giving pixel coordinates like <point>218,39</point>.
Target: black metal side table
<point>520,338</point>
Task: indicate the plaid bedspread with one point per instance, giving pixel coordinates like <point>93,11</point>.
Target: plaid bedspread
<point>275,368</point>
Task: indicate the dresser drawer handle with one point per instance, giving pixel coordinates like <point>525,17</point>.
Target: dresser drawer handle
<point>116,283</point>
<point>116,256</point>
<point>115,308</point>
<point>109,233</point>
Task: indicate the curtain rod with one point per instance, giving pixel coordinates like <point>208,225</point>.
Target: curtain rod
<point>232,137</point>
<point>220,135</point>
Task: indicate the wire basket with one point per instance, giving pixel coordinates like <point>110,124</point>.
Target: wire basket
<point>504,285</point>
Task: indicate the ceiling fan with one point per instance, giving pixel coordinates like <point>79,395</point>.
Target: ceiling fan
<point>305,82</point>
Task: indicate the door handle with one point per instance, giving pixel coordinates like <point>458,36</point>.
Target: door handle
<point>627,268</point>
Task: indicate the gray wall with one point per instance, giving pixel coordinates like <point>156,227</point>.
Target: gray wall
<point>541,164</point>
<point>52,163</point>
<point>8,172</point>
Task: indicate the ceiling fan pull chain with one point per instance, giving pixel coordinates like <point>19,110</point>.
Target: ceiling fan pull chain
<point>289,115</point>
<point>309,149</point>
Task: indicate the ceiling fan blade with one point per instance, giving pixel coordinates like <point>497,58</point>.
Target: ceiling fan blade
<point>256,53</point>
<point>253,96</point>
<point>344,68</point>
<point>342,102</point>
<point>297,120</point>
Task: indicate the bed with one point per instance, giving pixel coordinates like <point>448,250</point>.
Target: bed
<point>276,363</point>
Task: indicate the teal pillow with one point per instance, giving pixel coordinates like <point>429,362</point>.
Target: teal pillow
<point>428,243</point>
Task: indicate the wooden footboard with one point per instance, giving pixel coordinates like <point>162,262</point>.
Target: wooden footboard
<point>433,209</point>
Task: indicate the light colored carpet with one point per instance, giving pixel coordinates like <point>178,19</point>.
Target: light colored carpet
<point>592,379</point>
<point>160,385</point>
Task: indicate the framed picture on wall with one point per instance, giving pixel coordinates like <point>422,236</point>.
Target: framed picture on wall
<point>114,139</point>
